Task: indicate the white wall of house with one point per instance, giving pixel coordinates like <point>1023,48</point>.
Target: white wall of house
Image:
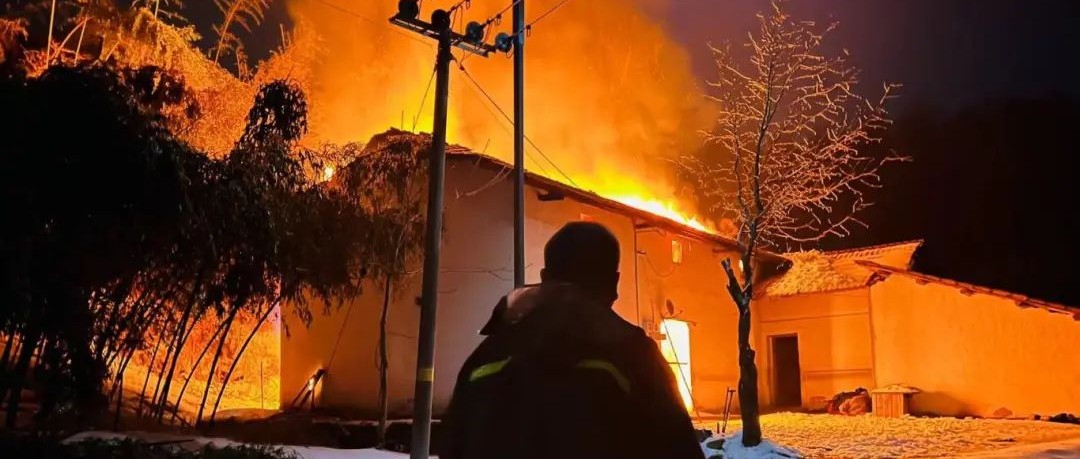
<point>477,269</point>
<point>974,354</point>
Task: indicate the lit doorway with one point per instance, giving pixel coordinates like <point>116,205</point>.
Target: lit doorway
<point>675,346</point>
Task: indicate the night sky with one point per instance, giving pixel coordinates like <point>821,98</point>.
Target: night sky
<point>947,53</point>
<point>987,111</point>
<point>950,53</point>
<point>990,102</point>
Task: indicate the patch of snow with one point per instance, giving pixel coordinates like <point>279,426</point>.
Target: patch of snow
<point>303,452</point>
<point>306,452</point>
<point>733,449</point>
<point>95,435</point>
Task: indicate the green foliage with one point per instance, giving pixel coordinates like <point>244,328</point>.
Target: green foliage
<point>119,232</point>
<point>81,220</point>
<point>280,110</point>
<point>387,181</point>
<point>147,204</point>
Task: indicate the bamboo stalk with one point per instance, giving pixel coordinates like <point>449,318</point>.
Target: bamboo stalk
<point>239,355</point>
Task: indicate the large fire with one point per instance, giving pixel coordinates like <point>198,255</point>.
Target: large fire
<point>608,93</point>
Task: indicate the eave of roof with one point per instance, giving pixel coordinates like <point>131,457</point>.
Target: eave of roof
<point>868,251</point>
<point>969,289</point>
<point>594,199</point>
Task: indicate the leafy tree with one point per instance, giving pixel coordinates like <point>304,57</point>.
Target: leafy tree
<point>124,239</point>
<point>83,221</point>
<point>387,181</point>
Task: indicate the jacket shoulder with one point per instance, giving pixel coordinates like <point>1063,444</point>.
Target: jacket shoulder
<point>614,329</point>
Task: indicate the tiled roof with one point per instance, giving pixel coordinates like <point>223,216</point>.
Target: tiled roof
<point>882,271</point>
<point>817,272</point>
<point>893,254</point>
<point>588,197</point>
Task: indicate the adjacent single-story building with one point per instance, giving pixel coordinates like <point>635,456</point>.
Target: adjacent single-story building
<point>862,318</point>
<point>827,322</point>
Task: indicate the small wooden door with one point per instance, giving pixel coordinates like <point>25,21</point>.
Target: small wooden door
<point>786,376</point>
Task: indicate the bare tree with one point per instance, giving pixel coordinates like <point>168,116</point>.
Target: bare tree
<point>791,131</point>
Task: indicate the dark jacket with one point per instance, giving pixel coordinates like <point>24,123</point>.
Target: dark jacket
<point>560,376</point>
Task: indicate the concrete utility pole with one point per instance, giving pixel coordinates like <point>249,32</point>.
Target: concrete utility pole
<point>519,143</point>
<point>439,28</point>
<point>425,359</point>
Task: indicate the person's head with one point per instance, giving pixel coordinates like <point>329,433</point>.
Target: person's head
<point>584,254</point>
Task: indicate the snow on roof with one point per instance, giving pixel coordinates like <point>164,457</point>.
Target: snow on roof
<point>812,272</point>
<point>817,272</point>
<point>881,271</point>
<point>898,254</point>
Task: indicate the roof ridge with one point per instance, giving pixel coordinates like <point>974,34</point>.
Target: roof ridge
<point>855,250</point>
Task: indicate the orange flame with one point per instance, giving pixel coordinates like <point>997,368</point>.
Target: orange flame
<point>664,209</point>
<point>608,93</point>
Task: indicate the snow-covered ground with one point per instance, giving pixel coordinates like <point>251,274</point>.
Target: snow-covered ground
<point>303,452</point>
<point>732,448</point>
<point>821,436</point>
<point>869,437</point>
<point>1068,449</point>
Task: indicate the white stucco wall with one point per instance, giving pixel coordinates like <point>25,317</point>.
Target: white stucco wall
<point>973,354</point>
<point>477,269</point>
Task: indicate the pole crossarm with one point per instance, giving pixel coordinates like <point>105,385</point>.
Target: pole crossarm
<point>456,39</point>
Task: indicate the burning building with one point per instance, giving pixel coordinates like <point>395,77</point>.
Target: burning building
<point>826,322</point>
<point>607,110</point>
<point>669,282</point>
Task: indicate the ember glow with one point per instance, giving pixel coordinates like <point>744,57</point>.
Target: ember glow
<point>609,94</point>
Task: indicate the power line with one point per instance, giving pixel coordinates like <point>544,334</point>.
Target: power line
<point>346,10</point>
<point>505,115</point>
<point>528,27</point>
<point>546,14</point>
<point>498,16</point>
<point>354,14</point>
<point>463,3</point>
<point>478,89</point>
<point>416,119</point>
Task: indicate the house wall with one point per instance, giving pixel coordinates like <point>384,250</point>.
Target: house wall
<point>343,339</point>
<point>476,270</point>
<point>694,291</point>
<point>971,355</point>
<point>835,344</point>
